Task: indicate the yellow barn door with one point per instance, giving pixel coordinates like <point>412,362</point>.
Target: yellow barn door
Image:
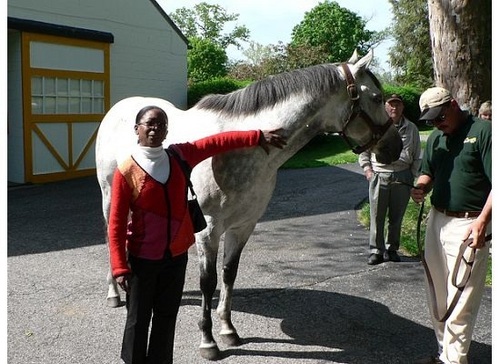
<point>66,94</point>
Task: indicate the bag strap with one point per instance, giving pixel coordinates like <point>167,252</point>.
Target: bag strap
<point>185,168</point>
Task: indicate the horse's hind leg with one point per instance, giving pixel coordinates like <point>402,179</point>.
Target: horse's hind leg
<point>113,298</point>
<point>233,246</point>
<point>207,254</point>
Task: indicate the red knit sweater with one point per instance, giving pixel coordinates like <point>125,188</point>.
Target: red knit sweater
<point>148,217</point>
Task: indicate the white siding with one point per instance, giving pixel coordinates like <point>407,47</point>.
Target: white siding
<point>148,57</point>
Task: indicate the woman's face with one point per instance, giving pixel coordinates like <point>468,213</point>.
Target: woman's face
<point>485,115</point>
<point>152,128</point>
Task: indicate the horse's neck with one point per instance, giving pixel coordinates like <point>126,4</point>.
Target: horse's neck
<point>299,124</point>
<point>296,139</point>
<point>296,119</point>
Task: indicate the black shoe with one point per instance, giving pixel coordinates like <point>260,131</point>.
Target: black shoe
<point>429,360</point>
<point>375,259</point>
<point>391,255</point>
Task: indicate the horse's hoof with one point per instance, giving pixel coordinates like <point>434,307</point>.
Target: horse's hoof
<point>231,339</point>
<point>211,353</point>
<point>113,302</point>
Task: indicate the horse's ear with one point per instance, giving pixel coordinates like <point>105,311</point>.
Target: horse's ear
<point>365,61</point>
<point>354,58</point>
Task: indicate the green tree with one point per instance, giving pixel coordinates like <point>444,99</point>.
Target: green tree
<point>256,53</point>
<point>336,30</point>
<point>411,55</point>
<point>207,21</point>
<point>206,60</point>
<point>277,59</point>
<point>305,55</point>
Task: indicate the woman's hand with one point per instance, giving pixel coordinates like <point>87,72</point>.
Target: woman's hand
<point>123,283</point>
<point>271,137</point>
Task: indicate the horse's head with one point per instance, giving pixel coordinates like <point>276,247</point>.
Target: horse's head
<point>366,125</point>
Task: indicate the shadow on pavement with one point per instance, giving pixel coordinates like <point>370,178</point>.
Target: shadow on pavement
<point>54,216</point>
<point>355,329</point>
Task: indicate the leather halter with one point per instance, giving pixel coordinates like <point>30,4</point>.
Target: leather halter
<point>377,131</point>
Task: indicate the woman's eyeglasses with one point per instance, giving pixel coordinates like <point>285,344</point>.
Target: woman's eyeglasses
<point>159,126</point>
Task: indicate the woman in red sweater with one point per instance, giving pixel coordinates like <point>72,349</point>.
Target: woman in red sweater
<point>150,229</point>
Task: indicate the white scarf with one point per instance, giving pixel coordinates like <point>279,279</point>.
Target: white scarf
<point>154,161</point>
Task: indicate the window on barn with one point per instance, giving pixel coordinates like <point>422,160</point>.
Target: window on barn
<point>55,95</point>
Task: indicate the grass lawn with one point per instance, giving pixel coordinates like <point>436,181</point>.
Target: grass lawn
<point>325,150</point>
<point>331,150</point>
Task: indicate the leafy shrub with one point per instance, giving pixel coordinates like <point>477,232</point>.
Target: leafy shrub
<point>206,60</point>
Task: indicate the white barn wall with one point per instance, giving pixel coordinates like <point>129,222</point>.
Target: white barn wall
<point>148,57</point>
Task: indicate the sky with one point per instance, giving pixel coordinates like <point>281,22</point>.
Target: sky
<point>271,21</point>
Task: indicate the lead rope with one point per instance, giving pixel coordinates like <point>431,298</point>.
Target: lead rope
<point>460,286</point>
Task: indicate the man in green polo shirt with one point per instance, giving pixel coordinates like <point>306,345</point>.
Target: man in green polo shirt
<point>456,166</point>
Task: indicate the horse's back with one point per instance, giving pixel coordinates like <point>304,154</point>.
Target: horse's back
<point>116,137</point>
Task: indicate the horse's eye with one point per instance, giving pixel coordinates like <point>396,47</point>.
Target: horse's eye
<point>378,99</point>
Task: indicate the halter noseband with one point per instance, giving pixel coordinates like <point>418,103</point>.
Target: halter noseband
<point>377,130</point>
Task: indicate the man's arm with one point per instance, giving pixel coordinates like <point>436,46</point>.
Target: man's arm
<point>365,163</point>
<point>477,230</point>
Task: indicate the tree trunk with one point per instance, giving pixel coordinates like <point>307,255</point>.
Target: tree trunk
<point>460,33</point>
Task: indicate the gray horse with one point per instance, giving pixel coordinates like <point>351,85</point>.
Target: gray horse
<point>234,188</point>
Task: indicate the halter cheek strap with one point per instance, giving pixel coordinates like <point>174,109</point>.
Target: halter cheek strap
<point>377,131</point>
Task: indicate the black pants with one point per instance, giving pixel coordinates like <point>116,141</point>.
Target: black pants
<point>155,291</point>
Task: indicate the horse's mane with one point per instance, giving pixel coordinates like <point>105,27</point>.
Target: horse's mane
<point>320,81</point>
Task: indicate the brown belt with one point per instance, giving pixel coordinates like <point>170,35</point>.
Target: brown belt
<point>460,214</point>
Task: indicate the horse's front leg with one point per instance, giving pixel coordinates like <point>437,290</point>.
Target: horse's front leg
<point>233,246</point>
<point>207,254</point>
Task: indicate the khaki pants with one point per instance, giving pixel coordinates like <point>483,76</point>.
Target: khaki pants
<point>387,200</point>
<point>442,243</point>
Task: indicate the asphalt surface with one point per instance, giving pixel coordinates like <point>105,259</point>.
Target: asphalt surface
<point>304,293</point>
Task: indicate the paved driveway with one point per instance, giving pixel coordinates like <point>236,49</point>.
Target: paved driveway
<point>304,293</point>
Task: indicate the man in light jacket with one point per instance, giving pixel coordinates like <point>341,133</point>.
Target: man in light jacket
<point>389,186</point>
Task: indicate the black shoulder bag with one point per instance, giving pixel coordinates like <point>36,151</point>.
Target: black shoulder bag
<point>197,217</point>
